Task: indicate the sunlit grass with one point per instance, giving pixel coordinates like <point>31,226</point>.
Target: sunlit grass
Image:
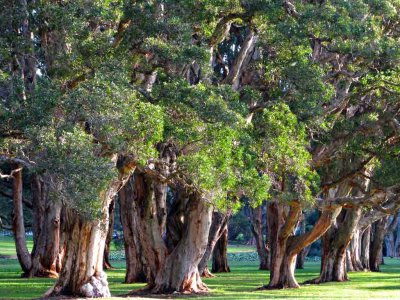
<point>241,283</point>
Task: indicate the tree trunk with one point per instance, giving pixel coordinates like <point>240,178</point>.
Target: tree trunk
<point>46,231</point>
<point>107,265</point>
<point>218,224</point>
<point>365,245</point>
<point>301,257</point>
<point>220,258</point>
<point>389,243</point>
<point>258,229</point>
<point>131,197</point>
<point>334,244</point>
<point>353,252</point>
<point>82,271</point>
<point>180,272</point>
<point>378,234</point>
<point>397,242</point>
<point>18,226</point>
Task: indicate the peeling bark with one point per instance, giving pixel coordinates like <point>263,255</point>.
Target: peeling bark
<point>82,270</point>
<point>180,272</point>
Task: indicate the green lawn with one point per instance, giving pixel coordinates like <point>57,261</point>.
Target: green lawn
<point>241,283</point>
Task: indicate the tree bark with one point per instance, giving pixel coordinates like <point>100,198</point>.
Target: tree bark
<point>46,231</point>
<point>258,229</point>
<point>378,235</point>
<point>82,270</point>
<point>285,246</point>
<point>107,264</point>
<point>218,223</point>
<point>131,197</point>
<point>18,225</point>
<point>334,244</point>
<point>353,252</point>
<point>220,258</point>
<point>365,245</point>
<point>180,272</point>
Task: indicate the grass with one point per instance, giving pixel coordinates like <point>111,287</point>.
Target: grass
<point>241,283</point>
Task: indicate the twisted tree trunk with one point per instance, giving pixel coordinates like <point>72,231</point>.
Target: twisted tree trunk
<point>180,272</point>
<point>334,244</point>
<point>285,246</point>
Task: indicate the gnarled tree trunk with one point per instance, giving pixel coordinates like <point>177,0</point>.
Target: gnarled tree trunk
<point>82,270</point>
<point>220,258</point>
<point>180,272</point>
<point>285,246</point>
<point>334,244</point>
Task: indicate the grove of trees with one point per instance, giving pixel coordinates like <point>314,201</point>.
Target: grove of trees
<point>185,111</point>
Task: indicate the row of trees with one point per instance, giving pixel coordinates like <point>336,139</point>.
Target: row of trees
<point>293,102</point>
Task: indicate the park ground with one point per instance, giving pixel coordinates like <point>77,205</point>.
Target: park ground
<point>241,283</point>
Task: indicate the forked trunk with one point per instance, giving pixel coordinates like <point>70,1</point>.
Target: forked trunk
<point>285,246</point>
<point>18,227</point>
<point>107,263</point>
<point>180,272</point>
<point>377,237</point>
<point>220,253</point>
